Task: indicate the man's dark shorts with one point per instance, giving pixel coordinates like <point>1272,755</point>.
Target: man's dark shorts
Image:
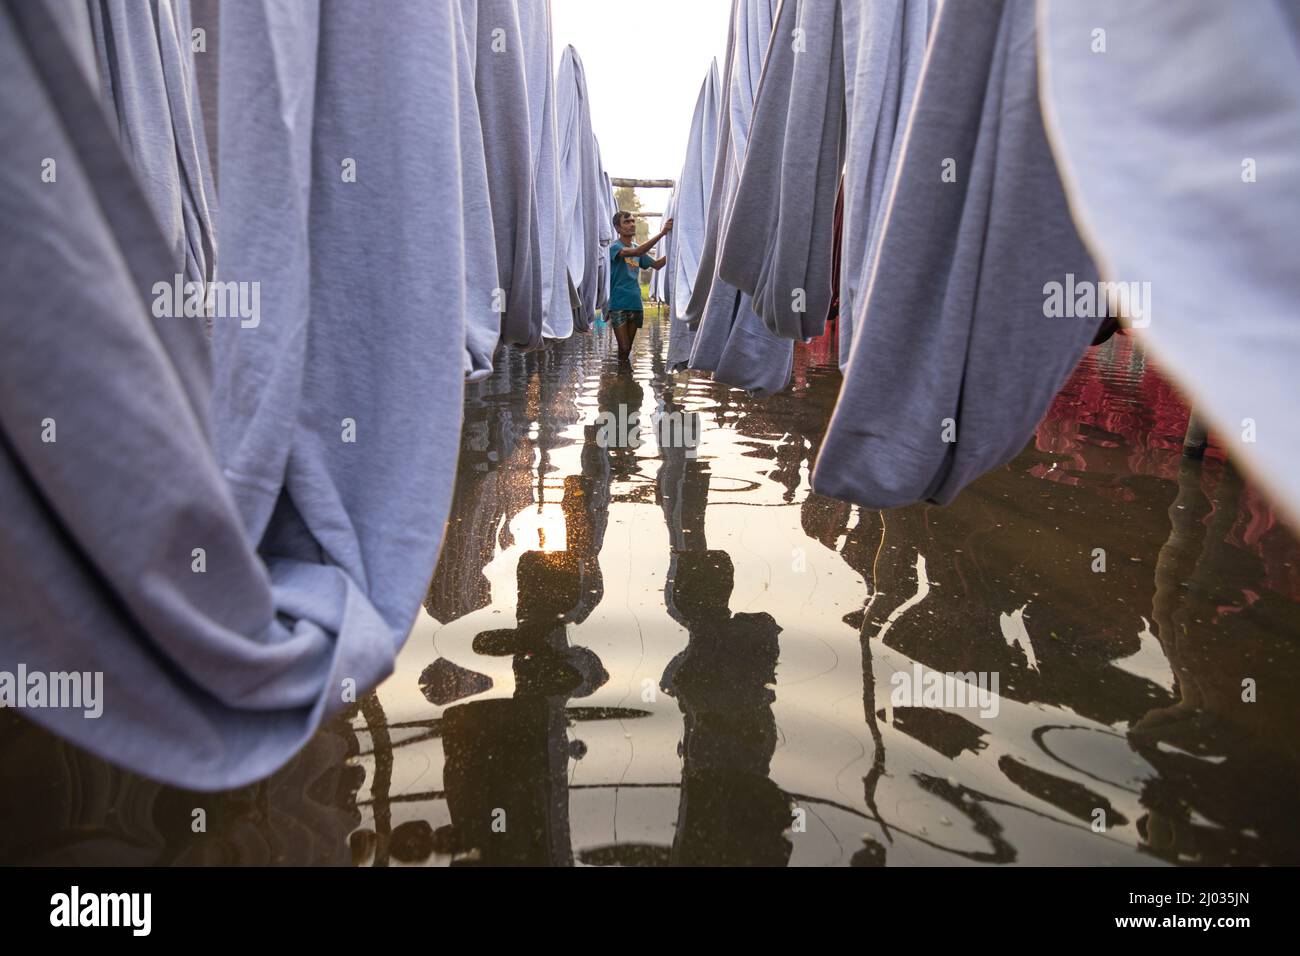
<point>617,317</point>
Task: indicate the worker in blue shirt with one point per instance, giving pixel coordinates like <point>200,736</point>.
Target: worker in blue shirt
<point>627,259</point>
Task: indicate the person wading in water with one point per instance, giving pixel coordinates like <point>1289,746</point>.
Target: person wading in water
<point>627,259</point>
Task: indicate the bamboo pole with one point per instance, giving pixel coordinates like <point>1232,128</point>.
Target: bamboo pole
<point>644,183</point>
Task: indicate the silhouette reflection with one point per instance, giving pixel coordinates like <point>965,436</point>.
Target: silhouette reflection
<point>730,811</point>
<point>507,759</point>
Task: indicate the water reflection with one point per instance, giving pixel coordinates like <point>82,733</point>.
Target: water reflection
<point>506,759</point>
<point>641,652</point>
<point>730,812</point>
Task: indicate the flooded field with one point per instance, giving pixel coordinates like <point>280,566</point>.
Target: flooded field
<point>644,649</point>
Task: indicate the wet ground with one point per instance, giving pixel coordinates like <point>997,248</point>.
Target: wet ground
<point>635,651</point>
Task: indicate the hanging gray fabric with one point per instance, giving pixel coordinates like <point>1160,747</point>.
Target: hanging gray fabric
<point>501,86</point>
<point>146,75</point>
<point>580,202</point>
<point>535,28</point>
<point>962,360</point>
<point>204,28</point>
<point>664,249</point>
<point>730,340</point>
<point>885,50</point>
<point>1202,203</point>
<point>657,276</point>
<point>689,214</point>
<point>127,552</point>
<point>778,241</point>
<point>483,301</point>
<point>719,176</point>
<point>838,83</point>
<point>596,281</point>
<point>107,477</point>
<point>607,236</point>
<point>376,161</point>
<point>752,357</point>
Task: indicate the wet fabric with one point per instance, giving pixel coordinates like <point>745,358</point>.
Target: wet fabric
<point>837,87</point>
<point>690,207</point>
<point>539,70</point>
<point>607,234</point>
<point>719,179</point>
<point>730,340</point>
<point>482,280</point>
<point>501,75</point>
<point>1203,201</point>
<point>580,184</point>
<point>659,278</point>
<point>778,241</point>
<point>518,213</point>
<point>146,74</point>
<point>962,360</point>
<point>658,288</point>
<point>130,540</point>
<point>87,591</point>
<point>885,50</point>
<point>390,375</point>
<point>205,17</point>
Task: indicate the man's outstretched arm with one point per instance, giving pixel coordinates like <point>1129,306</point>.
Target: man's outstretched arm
<point>637,252</point>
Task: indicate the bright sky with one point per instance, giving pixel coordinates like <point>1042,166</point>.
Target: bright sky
<point>645,63</point>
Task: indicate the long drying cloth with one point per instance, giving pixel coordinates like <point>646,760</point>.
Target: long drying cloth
<point>730,339</point>
<point>690,207</point>
<point>837,88</point>
<point>483,294</point>
<point>581,206</point>
<point>1177,131</point>
<point>778,241</point>
<point>146,73</point>
<point>539,67</point>
<point>607,236</point>
<point>375,427</point>
<point>501,76</point>
<point>126,552</point>
<point>885,50</point>
<point>957,359</point>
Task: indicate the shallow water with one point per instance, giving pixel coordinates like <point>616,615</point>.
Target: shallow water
<point>671,654</point>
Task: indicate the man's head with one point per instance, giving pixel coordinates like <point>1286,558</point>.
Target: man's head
<point>624,224</point>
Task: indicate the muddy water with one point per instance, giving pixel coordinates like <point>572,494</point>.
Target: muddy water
<point>657,646</point>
